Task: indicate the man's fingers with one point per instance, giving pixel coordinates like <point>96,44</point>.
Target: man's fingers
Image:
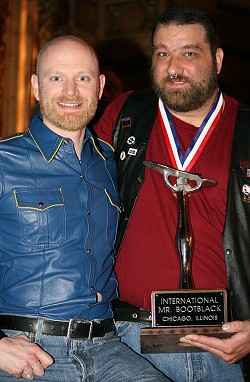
<point>204,341</point>
<point>45,359</point>
<point>235,326</point>
<point>37,369</point>
<point>28,375</point>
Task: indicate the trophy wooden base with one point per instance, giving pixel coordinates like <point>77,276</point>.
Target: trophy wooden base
<point>166,340</point>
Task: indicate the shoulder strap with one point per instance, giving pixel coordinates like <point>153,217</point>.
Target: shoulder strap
<point>141,109</point>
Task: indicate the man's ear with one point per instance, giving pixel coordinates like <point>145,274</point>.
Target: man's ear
<point>34,83</point>
<point>219,59</point>
<point>102,80</point>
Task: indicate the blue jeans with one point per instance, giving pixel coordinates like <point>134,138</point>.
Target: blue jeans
<point>103,359</point>
<point>182,367</point>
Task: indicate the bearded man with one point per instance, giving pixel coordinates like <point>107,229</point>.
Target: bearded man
<point>185,123</point>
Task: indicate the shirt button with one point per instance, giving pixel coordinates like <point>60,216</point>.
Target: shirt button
<point>41,204</point>
<point>88,250</point>
<point>66,142</point>
<point>88,212</point>
<point>92,288</point>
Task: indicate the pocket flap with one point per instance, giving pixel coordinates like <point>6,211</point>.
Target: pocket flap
<point>39,199</point>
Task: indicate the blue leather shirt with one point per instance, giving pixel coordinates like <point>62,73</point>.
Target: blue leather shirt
<point>58,221</point>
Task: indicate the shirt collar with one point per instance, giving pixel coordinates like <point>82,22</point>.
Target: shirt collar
<point>46,140</point>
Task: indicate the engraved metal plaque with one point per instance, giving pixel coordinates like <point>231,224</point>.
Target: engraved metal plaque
<point>195,307</point>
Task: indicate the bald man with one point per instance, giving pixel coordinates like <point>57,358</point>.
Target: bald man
<point>59,210</point>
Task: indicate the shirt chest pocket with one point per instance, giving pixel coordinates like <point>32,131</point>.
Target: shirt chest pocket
<point>41,214</point>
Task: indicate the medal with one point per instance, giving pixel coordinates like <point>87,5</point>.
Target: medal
<point>185,162</point>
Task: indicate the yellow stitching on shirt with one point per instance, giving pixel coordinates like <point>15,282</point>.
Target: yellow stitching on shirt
<point>41,149</point>
<point>107,143</point>
<point>97,149</point>
<point>10,138</point>
<point>110,200</point>
<point>38,209</point>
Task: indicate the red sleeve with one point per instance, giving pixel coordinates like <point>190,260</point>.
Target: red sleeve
<point>105,125</point>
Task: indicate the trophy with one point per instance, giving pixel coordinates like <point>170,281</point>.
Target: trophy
<point>176,313</point>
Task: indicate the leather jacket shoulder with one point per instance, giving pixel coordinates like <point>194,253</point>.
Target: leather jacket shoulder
<point>236,239</point>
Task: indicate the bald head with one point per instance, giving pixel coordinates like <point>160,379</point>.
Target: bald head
<point>59,41</point>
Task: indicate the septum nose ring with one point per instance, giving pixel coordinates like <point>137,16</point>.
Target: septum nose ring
<point>173,77</point>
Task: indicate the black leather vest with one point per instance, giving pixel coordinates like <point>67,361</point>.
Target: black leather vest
<point>236,235</point>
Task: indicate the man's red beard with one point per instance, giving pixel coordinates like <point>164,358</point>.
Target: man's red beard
<point>66,120</point>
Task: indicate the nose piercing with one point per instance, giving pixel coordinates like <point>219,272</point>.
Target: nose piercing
<point>173,77</point>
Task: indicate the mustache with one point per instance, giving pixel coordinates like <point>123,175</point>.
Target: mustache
<point>69,100</point>
<point>176,77</point>
<point>167,79</point>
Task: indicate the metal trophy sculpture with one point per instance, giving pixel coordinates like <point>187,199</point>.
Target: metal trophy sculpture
<point>186,310</point>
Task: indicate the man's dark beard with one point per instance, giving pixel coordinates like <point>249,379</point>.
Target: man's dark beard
<point>184,100</point>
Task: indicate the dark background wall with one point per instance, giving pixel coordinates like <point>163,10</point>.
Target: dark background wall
<point>120,30</point>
